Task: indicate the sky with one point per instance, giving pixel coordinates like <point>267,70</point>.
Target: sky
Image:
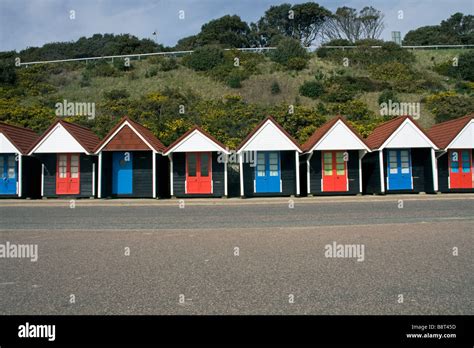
<point>32,23</point>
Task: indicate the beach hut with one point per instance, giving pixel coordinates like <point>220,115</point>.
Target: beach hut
<point>269,162</point>
<point>69,166</point>
<point>130,162</point>
<point>402,159</point>
<point>455,166</point>
<point>19,173</point>
<point>334,159</point>
<point>198,165</point>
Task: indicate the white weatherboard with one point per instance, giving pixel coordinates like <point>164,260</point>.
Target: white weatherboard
<point>269,138</point>
<point>340,137</point>
<point>6,146</point>
<point>465,138</point>
<point>408,136</point>
<point>196,142</point>
<point>59,140</point>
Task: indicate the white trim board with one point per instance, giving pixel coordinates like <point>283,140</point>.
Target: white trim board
<point>59,140</point>
<point>196,141</point>
<point>269,138</point>
<point>339,137</point>
<point>407,135</point>
<point>464,139</point>
<point>126,123</point>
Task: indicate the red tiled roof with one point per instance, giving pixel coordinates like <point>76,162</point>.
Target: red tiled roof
<point>386,129</point>
<point>206,134</point>
<point>444,133</point>
<point>21,138</point>
<point>84,136</point>
<point>260,125</point>
<point>143,131</point>
<point>321,131</point>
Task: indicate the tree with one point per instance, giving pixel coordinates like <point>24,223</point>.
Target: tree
<point>302,22</point>
<point>456,30</point>
<point>346,23</point>
<point>229,31</point>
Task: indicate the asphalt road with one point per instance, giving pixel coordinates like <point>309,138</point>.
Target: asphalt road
<point>191,251</point>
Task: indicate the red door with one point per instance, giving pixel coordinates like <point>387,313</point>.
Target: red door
<point>460,169</point>
<point>334,171</point>
<point>198,172</point>
<point>67,174</point>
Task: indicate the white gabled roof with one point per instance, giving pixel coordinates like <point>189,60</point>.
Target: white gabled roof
<point>6,145</point>
<point>269,137</point>
<point>340,137</point>
<point>58,140</point>
<point>465,138</point>
<point>196,140</point>
<point>408,135</point>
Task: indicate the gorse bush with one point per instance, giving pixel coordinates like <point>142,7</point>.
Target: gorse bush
<point>311,89</point>
<point>169,64</point>
<point>387,95</point>
<point>275,88</point>
<point>205,58</point>
<point>449,105</point>
<point>286,50</point>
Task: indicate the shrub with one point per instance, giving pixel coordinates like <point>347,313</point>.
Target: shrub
<point>169,64</point>
<point>116,94</point>
<point>296,63</point>
<point>386,95</point>
<point>205,58</point>
<point>337,93</point>
<point>101,69</point>
<point>466,65</point>
<point>7,74</point>
<point>234,80</point>
<point>354,110</point>
<point>153,71</point>
<point>311,89</point>
<point>288,48</point>
<point>275,88</point>
<point>449,105</point>
<point>122,65</point>
<point>85,80</point>
<point>322,52</point>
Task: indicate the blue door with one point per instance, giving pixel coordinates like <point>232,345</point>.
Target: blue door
<point>122,173</point>
<point>399,170</point>
<point>8,175</point>
<point>267,174</point>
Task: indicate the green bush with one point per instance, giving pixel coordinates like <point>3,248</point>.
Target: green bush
<point>466,65</point>
<point>7,74</point>
<point>449,105</point>
<point>311,89</point>
<point>386,95</point>
<point>85,80</point>
<point>153,71</point>
<point>296,63</point>
<point>116,94</point>
<point>234,80</point>
<point>169,64</point>
<point>122,64</point>
<point>354,110</point>
<point>288,48</point>
<point>101,68</point>
<point>336,93</point>
<point>205,58</point>
<point>275,88</point>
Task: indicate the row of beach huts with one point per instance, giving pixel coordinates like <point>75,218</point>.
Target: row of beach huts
<point>69,160</point>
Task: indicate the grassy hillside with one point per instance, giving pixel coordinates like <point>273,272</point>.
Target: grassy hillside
<point>66,81</point>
